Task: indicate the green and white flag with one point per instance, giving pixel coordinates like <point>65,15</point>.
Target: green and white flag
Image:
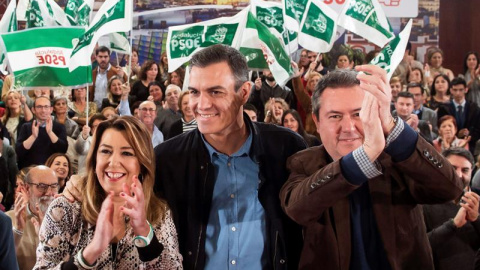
<point>184,40</point>
<point>293,13</point>
<point>113,16</point>
<point>391,56</point>
<point>119,42</point>
<point>42,13</point>
<point>79,12</point>
<point>366,18</point>
<point>318,27</point>
<point>271,14</point>
<point>264,50</point>
<point>8,23</point>
<point>42,61</point>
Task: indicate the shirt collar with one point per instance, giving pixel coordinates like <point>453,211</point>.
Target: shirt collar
<point>457,104</point>
<point>108,68</point>
<point>243,151</point>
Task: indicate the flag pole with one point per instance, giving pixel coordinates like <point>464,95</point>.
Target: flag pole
<point>88,101</point>
<point>131,50</point>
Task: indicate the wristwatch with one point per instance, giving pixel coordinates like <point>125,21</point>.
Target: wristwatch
<point>142,241</point>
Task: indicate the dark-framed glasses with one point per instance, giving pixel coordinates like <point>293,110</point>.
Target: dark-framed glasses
<point>39,107</point>
<point>44,187</point>
<point>147,110</point>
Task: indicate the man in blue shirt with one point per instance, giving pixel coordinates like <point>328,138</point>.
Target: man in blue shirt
<point>358,194</point>
<point>223,179</point>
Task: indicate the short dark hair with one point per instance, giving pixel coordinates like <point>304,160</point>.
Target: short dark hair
<point>414,85</point>
<point>335,79</point>
<point>404,95</point>
<point>458,80</point>
<point>459,151</point>
<point>250,107</point>
<point>35,101</point>
<point>222,53</point>
<point>102,49</point>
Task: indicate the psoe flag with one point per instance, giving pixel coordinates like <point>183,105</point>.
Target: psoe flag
<point>367,19</point>
<point>264,50</point>
<point>37,59</point>
<point>185,40</point>
<point>318,27</point>
<point>113,16</point>
<point>391,56</point>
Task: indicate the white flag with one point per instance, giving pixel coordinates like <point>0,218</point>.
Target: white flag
<point>79,12</point>
<point>271,14</point>
<point>114,16</point>
<point>318,27</point>
<point>45,13</point>
<point>119,42</point>
<point>184,40</point>
<point>391,56</point>
<point>367,19</point>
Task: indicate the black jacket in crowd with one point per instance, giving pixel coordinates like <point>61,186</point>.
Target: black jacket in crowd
<point>185,178</point>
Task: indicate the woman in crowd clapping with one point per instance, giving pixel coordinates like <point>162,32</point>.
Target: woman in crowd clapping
<point>114,94</point>
<point>274,109</point>
<point>16,114</point>
<point>471,68</point>
<point>447,138</point>
<point>120,223</point>
<point>135,70</point>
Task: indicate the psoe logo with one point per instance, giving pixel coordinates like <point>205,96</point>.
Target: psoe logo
<point>320,24</point>
<point>220,34</point>
<point>393,3</point>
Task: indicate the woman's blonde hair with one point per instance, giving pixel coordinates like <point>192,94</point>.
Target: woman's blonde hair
<point>109,91</point>
<point>8,112</point>
<point>140,140</point>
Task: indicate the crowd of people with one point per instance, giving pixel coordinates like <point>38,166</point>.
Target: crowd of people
<point>338,169</point>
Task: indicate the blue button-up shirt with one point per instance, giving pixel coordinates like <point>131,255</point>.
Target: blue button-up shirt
<point>236,231</point>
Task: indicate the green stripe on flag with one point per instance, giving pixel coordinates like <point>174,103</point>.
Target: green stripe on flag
<point>254,57</point>
<point>52,77</point>
<point>31,41</point>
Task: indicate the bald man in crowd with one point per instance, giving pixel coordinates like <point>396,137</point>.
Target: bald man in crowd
<point>41,185</point>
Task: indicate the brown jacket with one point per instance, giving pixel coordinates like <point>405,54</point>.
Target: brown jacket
<point>316,196</point>
<point>110,73</point>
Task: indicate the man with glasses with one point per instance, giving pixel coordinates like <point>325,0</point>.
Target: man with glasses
<point>41,185</point>
<point>147,113</point>
<point>41,138</point>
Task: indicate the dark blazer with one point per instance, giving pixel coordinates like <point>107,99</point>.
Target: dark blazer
<point>185,178</point>
<point>42,148</point>
<point>472,121</point>
<point>430,116</point>
<point>316,196</point>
